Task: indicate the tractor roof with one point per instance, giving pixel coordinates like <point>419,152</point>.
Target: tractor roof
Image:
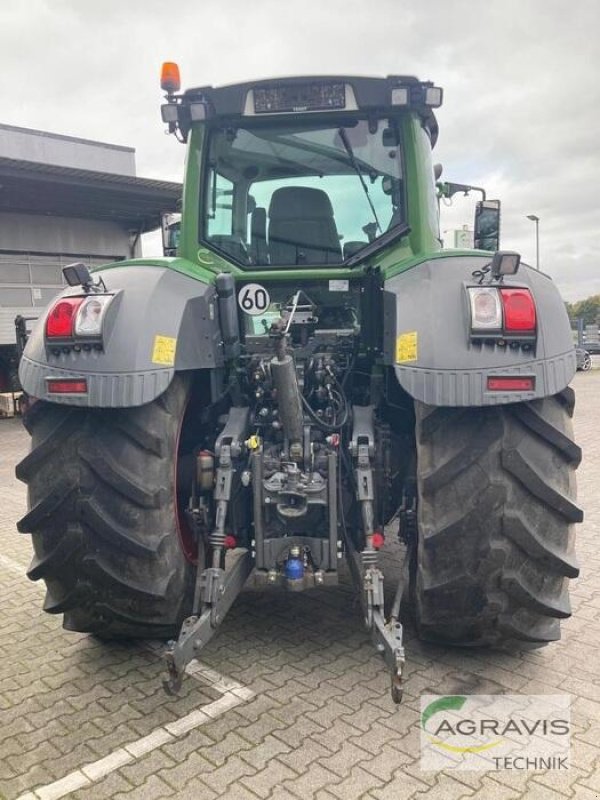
<point>309,94</point>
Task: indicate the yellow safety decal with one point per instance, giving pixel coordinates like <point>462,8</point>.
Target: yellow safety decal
<point>406,347</point>
<point>163,351</point>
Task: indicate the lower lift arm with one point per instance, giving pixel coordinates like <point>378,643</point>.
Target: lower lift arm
<point>386,636</point>
<point>216,588</point>
<point>219,589</point>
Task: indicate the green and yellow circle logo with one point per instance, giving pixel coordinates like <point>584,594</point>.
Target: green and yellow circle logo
<point>445,730</point>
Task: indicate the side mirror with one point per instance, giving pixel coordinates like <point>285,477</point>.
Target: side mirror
<point>171,229</point>
<point>487,225</point>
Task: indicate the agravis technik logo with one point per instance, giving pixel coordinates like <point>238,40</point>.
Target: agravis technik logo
<point>483,732</point>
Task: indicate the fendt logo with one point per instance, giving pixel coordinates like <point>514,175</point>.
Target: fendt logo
<point>482,732</point>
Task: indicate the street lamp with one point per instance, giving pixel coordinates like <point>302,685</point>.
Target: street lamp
<point>535,219</point>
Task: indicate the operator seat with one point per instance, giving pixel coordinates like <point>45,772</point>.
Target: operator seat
<point>302,229</point>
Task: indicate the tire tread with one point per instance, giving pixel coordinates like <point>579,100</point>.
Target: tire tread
<point>496,509</point>
<point>102,514</point>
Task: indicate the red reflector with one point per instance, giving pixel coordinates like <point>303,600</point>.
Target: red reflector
<point>67,386</point>
<point>61,318</point>
<point>510,384</point>
<point>378,540</point>
<point>519,310</point>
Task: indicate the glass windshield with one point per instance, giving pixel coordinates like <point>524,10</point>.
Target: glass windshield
<point>311,193</point>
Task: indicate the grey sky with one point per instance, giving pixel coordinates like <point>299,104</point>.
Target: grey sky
<point>521,82</point>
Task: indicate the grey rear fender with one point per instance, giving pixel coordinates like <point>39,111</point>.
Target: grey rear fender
<point>159,322</point>
<point>427,336</point>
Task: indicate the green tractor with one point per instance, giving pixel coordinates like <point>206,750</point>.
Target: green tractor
<point>308,372</point>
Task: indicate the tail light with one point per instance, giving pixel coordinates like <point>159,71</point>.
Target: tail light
<point>61,319</point>
<point>90,315</point>
<point>486,309</point>
<point>519,310</point>
<point>511,384</point>
<point>72,317</point>
<point>499,311</point>
<point>67,386</point>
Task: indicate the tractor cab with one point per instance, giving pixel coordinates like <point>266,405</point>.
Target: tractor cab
<point>307,172</point>
<point>315,192</point>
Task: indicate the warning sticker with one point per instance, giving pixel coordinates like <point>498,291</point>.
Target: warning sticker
<point>406,347</point>
<point>163,351</point>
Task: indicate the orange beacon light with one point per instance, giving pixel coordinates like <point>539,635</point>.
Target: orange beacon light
<point>169,77</point>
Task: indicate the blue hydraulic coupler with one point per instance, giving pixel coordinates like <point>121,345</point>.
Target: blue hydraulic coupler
<point>294,566</point>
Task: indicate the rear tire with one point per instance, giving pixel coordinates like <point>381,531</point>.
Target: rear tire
<point>496,509</point>
<point>103,514</point>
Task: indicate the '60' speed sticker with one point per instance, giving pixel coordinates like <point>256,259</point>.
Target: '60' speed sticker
<point>253,299</point>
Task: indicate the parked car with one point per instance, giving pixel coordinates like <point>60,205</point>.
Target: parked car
<point>592,347</point>
<point>584,359</point>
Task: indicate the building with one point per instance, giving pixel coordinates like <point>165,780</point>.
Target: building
<point>64,199</point>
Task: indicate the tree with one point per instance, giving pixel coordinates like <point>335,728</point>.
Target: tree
<point>588,310</point>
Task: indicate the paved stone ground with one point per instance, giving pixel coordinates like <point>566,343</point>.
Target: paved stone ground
<point>303,710</point>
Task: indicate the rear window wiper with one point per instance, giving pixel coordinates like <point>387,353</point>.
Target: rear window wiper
<point>356,168</point>
<point>397,232</point>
